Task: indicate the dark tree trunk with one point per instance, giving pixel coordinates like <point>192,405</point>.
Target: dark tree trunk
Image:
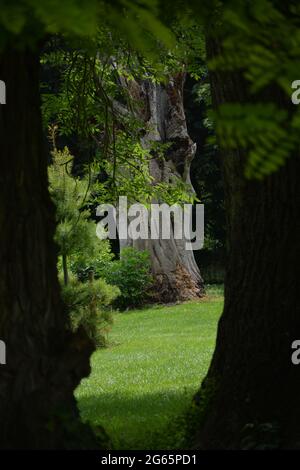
<point>250,397</point>
<point>45,361</point>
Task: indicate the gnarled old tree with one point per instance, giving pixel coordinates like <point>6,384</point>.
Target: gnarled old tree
<point>160,108</point>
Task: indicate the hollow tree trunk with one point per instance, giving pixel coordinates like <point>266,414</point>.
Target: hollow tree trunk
<point>160,107</point>
<point>45,361</point>
<point>250,397</point>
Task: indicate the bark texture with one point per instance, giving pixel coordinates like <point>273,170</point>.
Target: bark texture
<point>161,109</point>
<point>250,397</point>
<point>45,361</point>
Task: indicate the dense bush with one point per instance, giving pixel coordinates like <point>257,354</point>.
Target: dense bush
<point>131,274</point>
<point>88,304</point>
<point>84,263</point>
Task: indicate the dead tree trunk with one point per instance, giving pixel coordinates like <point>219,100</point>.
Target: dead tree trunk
<point>160,108</point>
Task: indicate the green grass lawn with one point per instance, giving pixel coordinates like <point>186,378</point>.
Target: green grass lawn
<point>147,377</point>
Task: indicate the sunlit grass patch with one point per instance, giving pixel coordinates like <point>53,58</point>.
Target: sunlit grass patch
<point>157,359</point>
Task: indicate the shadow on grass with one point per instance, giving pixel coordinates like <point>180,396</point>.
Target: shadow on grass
<point>152,421</point>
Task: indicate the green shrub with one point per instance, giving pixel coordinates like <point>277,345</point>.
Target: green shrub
<point>131,274</point>
<point>83,263</point>
<point>87,303</point>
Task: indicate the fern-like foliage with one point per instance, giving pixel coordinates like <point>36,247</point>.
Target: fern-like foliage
<point>261,40</point>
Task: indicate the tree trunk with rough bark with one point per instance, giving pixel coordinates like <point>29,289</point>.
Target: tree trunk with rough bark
<point>45,361</point>
<point>161,109</point>
<point>250,396</point>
